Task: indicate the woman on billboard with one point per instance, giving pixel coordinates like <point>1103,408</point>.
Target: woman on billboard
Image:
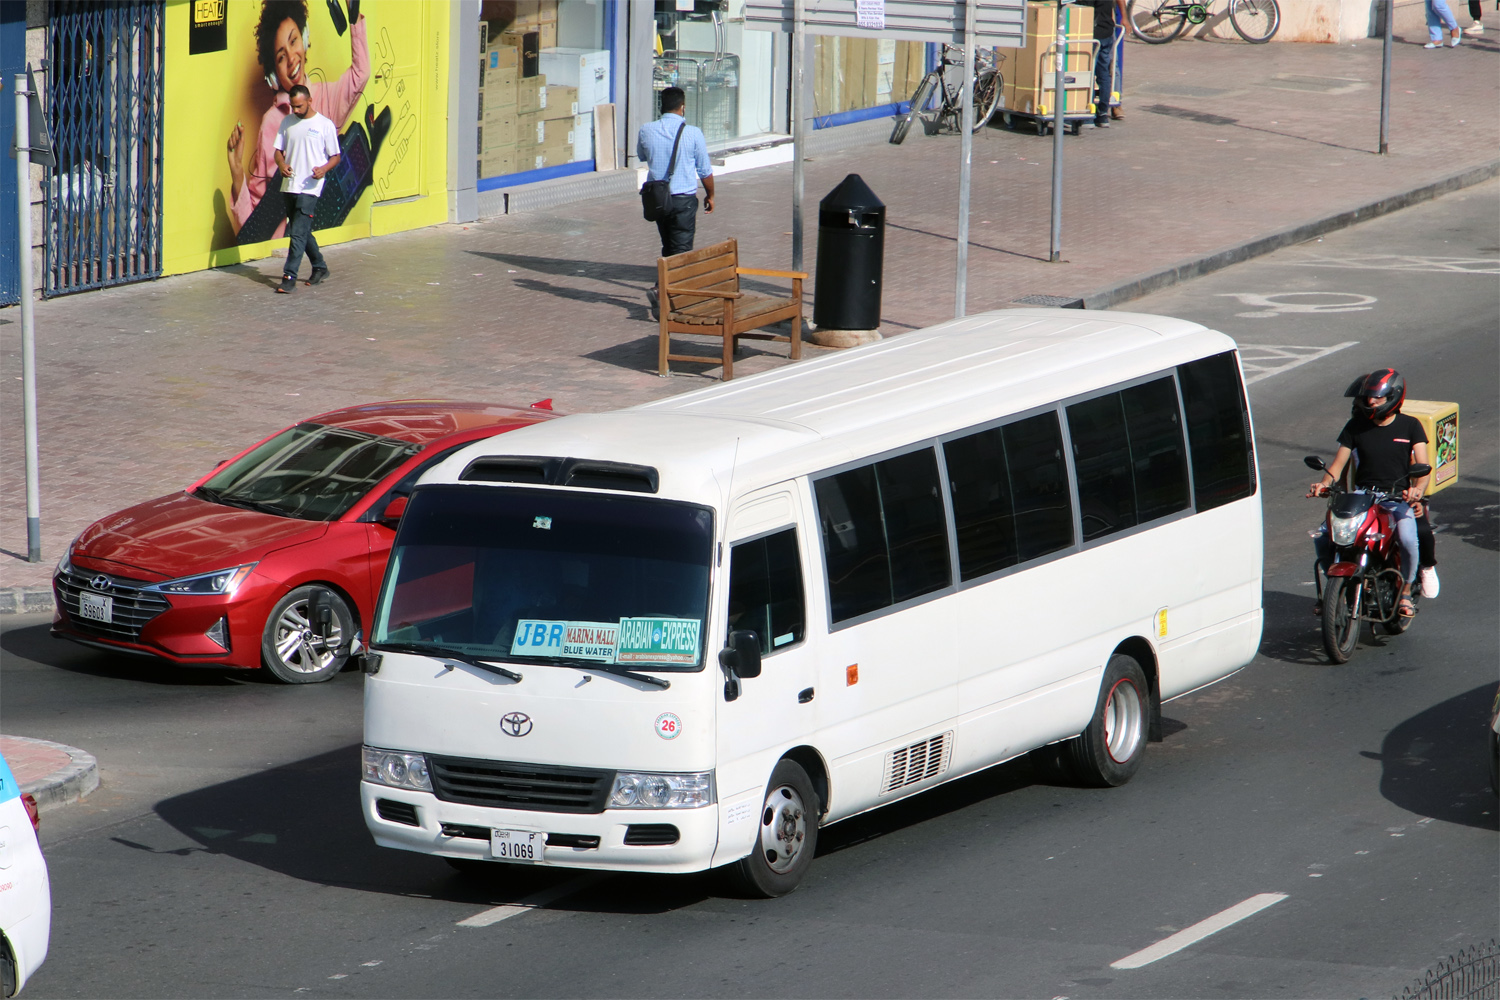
<point>282,44</point>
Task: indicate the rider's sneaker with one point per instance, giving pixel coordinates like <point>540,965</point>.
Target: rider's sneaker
<point>1429,582</point>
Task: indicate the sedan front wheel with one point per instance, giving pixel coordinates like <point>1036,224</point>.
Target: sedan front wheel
<point>296,647</point>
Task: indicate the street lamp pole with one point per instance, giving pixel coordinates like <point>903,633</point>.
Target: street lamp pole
<point>28,328</point>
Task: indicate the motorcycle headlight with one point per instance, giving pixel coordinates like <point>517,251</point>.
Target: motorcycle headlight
<point>397,769</point>
<point>221,581</point>
<point>635,790</point>
<point>1343,529</point>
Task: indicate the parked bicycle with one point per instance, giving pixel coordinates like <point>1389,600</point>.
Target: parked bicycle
<point>949,111</point>
<point>1157,21</point>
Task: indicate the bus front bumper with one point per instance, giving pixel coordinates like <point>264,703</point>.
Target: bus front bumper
<point>633,840</point>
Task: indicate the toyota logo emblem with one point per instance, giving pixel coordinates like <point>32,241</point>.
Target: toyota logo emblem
<point>100,582</point>
<point>515,723</point>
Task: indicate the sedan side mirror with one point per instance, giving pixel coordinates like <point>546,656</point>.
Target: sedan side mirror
<point>1314,462</point>
<point>1419,470</point>
<point>394,510</point>
<point>741,655</point>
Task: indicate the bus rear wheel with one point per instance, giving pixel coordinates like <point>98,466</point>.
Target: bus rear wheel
<point>1109,751</point>
<point>787,839</point>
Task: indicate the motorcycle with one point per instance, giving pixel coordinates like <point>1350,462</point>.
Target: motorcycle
<point>1364,582</point>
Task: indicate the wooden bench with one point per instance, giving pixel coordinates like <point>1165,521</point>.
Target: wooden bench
<point>699,293</point>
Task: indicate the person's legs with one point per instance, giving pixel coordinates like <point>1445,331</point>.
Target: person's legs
<point>307,206</point>
<point>1427,554</point>
<point>1407,549</point>
<point>1323,547</point>
<point>1104,64</point>
<point>1445,17</point>
<point>299,228</point>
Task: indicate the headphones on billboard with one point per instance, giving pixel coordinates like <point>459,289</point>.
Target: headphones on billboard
<point>306,46</point>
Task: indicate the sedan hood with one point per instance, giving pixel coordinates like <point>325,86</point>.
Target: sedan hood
<point>179,535</point>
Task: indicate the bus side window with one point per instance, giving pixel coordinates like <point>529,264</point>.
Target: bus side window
<point>1156,449</point>
<point>765,590</point>
<point>885,536</point>
<point>1130,456</point>
<point>1218,430</point>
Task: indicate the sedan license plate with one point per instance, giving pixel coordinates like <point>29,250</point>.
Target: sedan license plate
<point>96,607</point>
<point>517,845</point>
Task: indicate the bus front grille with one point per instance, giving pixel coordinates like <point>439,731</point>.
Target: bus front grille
<point>504,784</point>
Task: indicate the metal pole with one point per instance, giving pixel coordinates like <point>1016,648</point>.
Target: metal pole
<point>1059,56</point>
<point>965,166</point>
<point>1385,80</point>
<point>28,330</point>
<point>799,128</point>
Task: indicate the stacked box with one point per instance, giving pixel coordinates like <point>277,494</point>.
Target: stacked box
<point>1030,83</point>
<point>560,102</point>
<point>587,70</point>
<point>583,137</point>
<point>531,95</point>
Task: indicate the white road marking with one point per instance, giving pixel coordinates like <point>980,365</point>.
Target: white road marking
<point>1202,929</point>
<point>1405,262</point>
<point>543,898</point>
<point>1316,303</point>
<point>1264,360</point>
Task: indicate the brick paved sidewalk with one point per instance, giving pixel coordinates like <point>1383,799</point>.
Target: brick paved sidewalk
<point>142,388</point>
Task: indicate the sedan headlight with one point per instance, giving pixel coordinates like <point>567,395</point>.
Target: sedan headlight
<point>65,564</point>
<point>222,581</point>
<point>635,790</point>
<point>397,769</point>
<point>1343,529</point>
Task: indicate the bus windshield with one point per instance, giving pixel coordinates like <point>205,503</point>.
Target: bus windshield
<point>548,576</point>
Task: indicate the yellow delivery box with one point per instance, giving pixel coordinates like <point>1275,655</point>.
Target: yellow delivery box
<point>1440,421</point>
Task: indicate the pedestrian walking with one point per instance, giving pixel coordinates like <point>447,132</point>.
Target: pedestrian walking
<point>1109,15</point>
<point>654,147</point>
<point>1438,18</point>
<point>307,148</point>
<point>1476,8</point>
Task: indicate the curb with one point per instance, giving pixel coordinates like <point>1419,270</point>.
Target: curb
<point>1151,281</point>
<point>67,784</point>
<point>26,600</point>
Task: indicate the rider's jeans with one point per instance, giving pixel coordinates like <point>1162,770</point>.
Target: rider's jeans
<point>1406,540</point>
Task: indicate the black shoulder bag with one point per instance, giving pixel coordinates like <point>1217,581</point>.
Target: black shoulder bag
<point>656,196</point>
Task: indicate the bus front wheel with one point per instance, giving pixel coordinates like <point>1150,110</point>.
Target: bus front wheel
<point>1109,751</point>
<point>787,839</point>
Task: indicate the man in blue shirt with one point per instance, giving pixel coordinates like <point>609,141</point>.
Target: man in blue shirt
<point>653,147</point>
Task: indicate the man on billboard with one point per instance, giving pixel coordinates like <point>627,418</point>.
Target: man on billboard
<point>282,45</point>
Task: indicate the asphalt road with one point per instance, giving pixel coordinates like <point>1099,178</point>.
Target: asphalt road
<point>225,855</point>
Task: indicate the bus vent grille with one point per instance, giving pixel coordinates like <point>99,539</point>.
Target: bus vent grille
<point>917,762</point>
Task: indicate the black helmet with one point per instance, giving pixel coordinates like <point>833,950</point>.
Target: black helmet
<point>1385,384</point>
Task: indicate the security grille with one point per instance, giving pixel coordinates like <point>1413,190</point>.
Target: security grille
<point>103,88</point>
<point>917,762</point>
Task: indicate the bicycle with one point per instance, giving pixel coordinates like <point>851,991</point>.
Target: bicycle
<point>987,86</point>
<point>1156,22</point>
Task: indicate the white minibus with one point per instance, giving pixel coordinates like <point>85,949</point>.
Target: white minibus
<point>686,635</point>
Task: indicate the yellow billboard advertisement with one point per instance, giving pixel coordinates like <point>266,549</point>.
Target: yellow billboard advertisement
<point>378,69</point>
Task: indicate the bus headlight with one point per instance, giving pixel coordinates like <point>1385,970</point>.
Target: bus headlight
<point>636,790</point>
<point>397,769</point>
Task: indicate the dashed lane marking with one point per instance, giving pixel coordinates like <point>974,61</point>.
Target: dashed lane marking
<point>1264,360</point>
<point>1202,929</point>
<point>1407,262</point>
<point>544,898</point>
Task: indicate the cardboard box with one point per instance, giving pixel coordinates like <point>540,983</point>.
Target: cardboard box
<point>536,157</point>
<point>586,69</point>
<point>528,45</point>
<point>498,132</point>
<point>583,137</point>
<point>1030,83</point>
<point>531,95</point>
<point>533,130</point>
<point>1440,421</point>
<point>561,102</point>
<point>504,93</point>
<point>498,162</point>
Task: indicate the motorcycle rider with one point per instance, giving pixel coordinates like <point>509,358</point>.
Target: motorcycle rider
<point>1386,443</point>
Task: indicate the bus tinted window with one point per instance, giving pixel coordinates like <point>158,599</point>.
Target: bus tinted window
<point>885,538</point>
<point>1217,421</point>
<point>1156,449</point>
<point>765,590</point>
<point>1101,454</point>
<point>1010,495</point>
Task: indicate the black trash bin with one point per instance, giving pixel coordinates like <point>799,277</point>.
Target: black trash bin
<point>851,254</point>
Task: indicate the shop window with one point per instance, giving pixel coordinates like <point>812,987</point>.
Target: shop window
<point>727,72</point>
<point>850,74</point>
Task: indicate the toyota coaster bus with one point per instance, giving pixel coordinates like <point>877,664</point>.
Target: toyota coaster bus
<point>687,634</point>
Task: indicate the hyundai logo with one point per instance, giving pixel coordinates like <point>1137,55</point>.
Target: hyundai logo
<point>100,582</point>
<point>515,723</point>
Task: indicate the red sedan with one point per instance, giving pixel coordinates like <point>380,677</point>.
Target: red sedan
<point>274,558</point>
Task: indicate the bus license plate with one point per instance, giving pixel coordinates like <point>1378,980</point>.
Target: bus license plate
<point>96,607</point>
<point>517,845</point>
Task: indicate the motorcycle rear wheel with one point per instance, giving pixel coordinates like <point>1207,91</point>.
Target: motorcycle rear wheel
<point>1340,618</point>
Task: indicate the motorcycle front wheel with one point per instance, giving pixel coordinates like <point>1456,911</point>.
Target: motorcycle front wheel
<point>1340,617</point>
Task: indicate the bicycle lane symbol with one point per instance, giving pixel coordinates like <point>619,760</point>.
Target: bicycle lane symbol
<point>1300,303</point>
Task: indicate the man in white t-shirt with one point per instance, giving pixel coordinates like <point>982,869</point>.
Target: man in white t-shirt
<point>307,148</point>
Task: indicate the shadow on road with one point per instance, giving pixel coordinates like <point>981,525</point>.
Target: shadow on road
<point>1436,762</point>
<point>36,643</point>
<point>1291,634</point>
<point>1469,515</point>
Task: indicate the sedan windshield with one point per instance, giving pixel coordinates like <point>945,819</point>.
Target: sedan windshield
<point>547,576</point>
<point>310,471</point>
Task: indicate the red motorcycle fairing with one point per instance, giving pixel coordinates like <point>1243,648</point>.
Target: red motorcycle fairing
<point>1343,569</point>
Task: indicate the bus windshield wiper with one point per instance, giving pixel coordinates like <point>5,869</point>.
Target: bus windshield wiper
<point>444,653</point>
<point>609,668</point>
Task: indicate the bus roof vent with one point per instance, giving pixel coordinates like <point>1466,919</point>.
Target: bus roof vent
<point>608,476</point>
<point>527,469</point>
<point>910,764</point>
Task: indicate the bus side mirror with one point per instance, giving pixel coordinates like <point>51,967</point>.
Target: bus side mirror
<point>1419,470</point>
<point>394,510</point>
<point>1314,462</point>
<point>741,656</point>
